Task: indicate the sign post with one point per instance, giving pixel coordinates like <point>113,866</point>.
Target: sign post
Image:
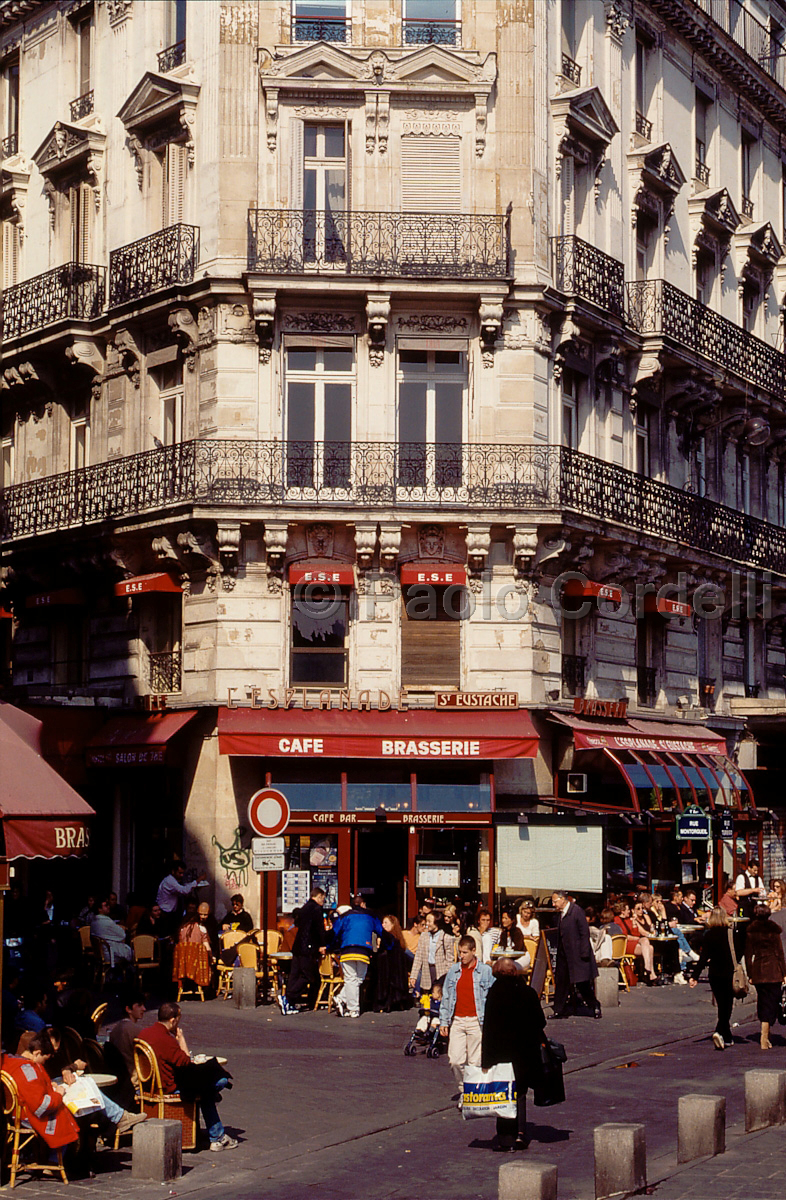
<point>268,816</point>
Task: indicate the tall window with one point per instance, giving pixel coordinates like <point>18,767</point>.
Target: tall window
<point>700,465</point>
<point>7,450</point>
<point>173,180</point>
<point>80,443</point>
<point>649,655</point>
<point>67,650</point>
<point>320,636</point>
<point>175,22</point>
<point>644,240</point>
<point>431,174</point>
<point>431,390</point>
<point>705,278</point>
<point>569,44</point>
<point>320,20</point>
<point>320,383</point>
<point>82,209</point>
<point>570,410</point>
<point>750,308</point>
<point>643,456</point>
<point>703,130</point>
<point>749,664</point>
<point>744,483</point>
<point>575,632</point>
<point>11,97</point>
<point>84,35</point>
<point>747,172</point>
<point>642,79</point>
<point>435,21</point>
<point>170,394</point>
<point>324,192</point>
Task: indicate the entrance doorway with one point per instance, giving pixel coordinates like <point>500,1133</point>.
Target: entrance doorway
<point>380,867</point>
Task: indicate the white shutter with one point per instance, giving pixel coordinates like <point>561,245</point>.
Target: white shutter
<point>10,253</point>
<point>431,174</point>
<point>173,184</point>
<point>86,209</point>
<point>74,199</point>
<point>296,165</point>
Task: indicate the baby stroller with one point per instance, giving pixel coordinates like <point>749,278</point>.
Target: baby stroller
<point>426,1032</point>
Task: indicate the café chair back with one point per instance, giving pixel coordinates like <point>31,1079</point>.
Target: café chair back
<point>229,940</point>
<point>145,951</point>
<point>154,1101</point>
<point>330,980</point>
<point>18,1137</point>
<point>98,1016</point>
<point>621,959</point>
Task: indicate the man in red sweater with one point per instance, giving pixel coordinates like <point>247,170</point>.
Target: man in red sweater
<point>461,1012</point>
<point>167,1040</point>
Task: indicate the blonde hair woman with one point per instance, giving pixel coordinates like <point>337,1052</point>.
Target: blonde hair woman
<point>716,955</point>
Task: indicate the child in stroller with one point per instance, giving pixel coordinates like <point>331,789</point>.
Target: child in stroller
<point>426,1032</point>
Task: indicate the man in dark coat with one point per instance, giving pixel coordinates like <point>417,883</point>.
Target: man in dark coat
<point>576,966</point>
<point>308,946</point>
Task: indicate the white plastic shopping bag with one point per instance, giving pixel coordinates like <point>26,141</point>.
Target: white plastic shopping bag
<point>489,1093</point>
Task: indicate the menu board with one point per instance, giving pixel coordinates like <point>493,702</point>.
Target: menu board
<point>295,889</point>
<point>438,874</point>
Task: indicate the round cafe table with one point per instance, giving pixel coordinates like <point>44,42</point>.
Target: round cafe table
<point>662,945</point>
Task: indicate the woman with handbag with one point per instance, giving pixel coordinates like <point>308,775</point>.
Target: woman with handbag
<point>717,953</point>
<point>512,1033</point>
<point>767,966</point>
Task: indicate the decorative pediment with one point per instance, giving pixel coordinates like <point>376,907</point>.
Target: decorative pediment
<point>713,220</point>
<point>161,109</point>
<point>14,182</point>
<point>757,247</point>
<point>378,77</point>
<point>583,116</point>
<point>69,148</point>
<point>657,178</point>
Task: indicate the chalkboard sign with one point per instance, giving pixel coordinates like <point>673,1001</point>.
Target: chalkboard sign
<point>545,957</point>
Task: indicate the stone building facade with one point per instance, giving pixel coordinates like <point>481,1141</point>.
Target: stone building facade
<point>309,307</point>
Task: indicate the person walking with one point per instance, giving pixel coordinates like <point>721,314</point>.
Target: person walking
<point>576,966</point>
<point>716,954</point>
<point>309,945</point>
<point>462,1009</point>
<point>767,969</point>
<point>433,956</point>
<point>513,1032</point>
<point>353,934</point>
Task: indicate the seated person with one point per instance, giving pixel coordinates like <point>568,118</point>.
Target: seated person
<point>168,1042</point>
<point>194,932</point>
<point>527,921</point>
<point>121,1041</point>
<point>672,905</point>
<point>116,911</point>
<point>729,901</point>
<point>237,919</point>
<point>153,923</point>
<point>636,931</point>
<point>209,923</point>
<point>689,913</point>
<point>42,1101</point>
<point>30,1017</point>
<point>61,1066</point>
<point>104,927</point>
<point>511,938</point>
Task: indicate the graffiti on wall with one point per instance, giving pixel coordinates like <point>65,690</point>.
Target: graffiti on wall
<point>234,860</point>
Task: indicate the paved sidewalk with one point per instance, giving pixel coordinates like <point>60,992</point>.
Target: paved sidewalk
<point>332,1110</point>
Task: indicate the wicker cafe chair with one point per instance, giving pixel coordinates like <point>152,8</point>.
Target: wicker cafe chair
<point>98,1016</point>
<point>18,1136</point>
<point>330,980</point>
<point>154,1101</point>
<point>105,959</point>
<point>247,953</point>
<point>224,972</point>
<point>531,946</point>
<point>273,946</point>
<point>621,959</point>
<point>145,950</point>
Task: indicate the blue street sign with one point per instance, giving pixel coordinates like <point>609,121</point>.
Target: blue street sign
<point>693,825</point>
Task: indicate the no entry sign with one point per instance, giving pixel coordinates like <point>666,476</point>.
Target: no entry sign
<point>268,812</point>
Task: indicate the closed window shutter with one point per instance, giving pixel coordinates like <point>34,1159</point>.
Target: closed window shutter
<point>296,165</point>
<point>173,184</point>
<point>431,174</point>
<point>10,254</point>
<point>430,652</point>
<point>85,222</point>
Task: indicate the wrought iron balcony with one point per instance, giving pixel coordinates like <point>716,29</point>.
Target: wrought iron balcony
<point>746,208</point>
<point>172,57</point>
<point>571,70</point>
<point>573,671</point>
<point>582,270</point>
<point>320,29</point>
<point>164,672</point>
<point>161,260</point>
<point>657,307</point>
<point>643,127</point>
<point>403,245</point>
<point>10,145</point>
<point>702,172</point>
<point>417,31</point>
<point>75,290</point>
<point>765,48</point>
<point>647,685</point>
<point>554,480</point>
<point>82,106</point>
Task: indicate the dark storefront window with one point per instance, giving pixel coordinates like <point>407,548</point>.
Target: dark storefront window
<point>320,627</point>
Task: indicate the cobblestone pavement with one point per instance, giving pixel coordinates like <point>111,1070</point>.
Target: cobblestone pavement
<point>332,1110</point>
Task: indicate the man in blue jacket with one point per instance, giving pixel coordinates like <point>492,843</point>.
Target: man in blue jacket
<point>353,930</point>
<point>461,1012</point>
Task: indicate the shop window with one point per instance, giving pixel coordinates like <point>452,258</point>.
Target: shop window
<point>320,637</point>
<point>68,650</point>
<point>431,21</point>
<point>319,389</point>
<point>431,619</point>
<point>431,390</point>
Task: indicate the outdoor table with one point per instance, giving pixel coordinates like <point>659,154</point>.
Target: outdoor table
<point>661,944</point>
<point>279,958</point>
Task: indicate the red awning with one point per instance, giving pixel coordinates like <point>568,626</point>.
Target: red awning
<point>136,741</point>
<point>6,615</point>
<point>63,597</point>
<point>666,607</point>
<point>436,573</point>
<point>593,591</point>
<point>392,735</point>
<point>339,574</point>
<point>642,735</point>
<point>160,582</point>
<point>42,816</point>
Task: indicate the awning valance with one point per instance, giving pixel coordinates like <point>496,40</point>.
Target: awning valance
<point>641,735</point>
<point>136,741</point>
<point>666,607</point>
<point>352,733</point>
<point>589,590</point>
<point>439,574</point>
<point>41,815</point>
<point>61,598</point>
<point>328,573</point>
<point>159,582</point>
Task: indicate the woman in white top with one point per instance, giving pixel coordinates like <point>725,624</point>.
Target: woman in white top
<point>527,922</point>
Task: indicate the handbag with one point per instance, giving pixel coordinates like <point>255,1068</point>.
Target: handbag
<point>739,980</point>
<point>550,1089</point>
<point>489,1093</point>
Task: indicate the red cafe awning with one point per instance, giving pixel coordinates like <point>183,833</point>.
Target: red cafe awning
<point>63,597</point>
<point>666,607</point>
<point>41,815</point>
<point>593,591</point>
<point>338,574</point>
<point>392,735</point>
<point>642,735</point>
<point>136,741</point>
<point>160,582</point>
<point>433,572</point>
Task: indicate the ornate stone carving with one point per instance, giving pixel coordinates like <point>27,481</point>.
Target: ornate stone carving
<point>618,17</point>
<point>128,353</point>
<point>320,322</point>
<point>431,541</point>
<point>137,152</point>
<point>377,317</point>
<point>481,121</point>
<point>264,314</point>
<point>164,550</point>
<point>239,24</point>
<point>433,323</point>
<point>389,545</point>
<point>119,11</point>
<point>319,540</point>
<point>478,546</point>
<point>86,352</point>
<point>275,536</point>
<point>228,536</point>
<point>184,327</point>
<point>525,545</point>
<point>271,117</point>
<point>195,546</point>
<point>490,312</point>
<point>365,544</point>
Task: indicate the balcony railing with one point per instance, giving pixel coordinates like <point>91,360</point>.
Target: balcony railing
<point>82,106</point>
<point>702,172</point>
<point>746,208</point>
<point>643,127</point>
<point>378,475</point>
<point>573,671</point>
<point>164,672</point>
<point>647,685</point>
<point>172,57</point>
<point>571,70</point>
<point>10,145</point>
<point>405,245</point>
<point>656,307</point>
<point>749,34</point>
<point>161,260</point>
<point>582,270</point>
<point>320,29</point>
<point>75,290</point>
<point>417,31</point>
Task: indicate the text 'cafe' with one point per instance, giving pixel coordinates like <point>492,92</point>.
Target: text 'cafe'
<point>392,803</point>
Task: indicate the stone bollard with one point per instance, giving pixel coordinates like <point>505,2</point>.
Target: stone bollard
<point>244,987</point>
<point>620,1159</point>
<point>765,1099</point>
<point>157,1151</point>
<point>527,1181</point>
<point>701,1127</point>
<point>607,987</point>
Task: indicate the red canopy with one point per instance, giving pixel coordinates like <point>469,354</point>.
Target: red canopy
<point>42,816</point>
<point>128,741</point>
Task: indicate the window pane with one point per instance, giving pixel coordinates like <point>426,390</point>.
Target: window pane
<point>300,412</point>
<point>310,139</point>
<point>339,360</point>
<point>338,410</point>
<point>447,361</point>
<point>449,398</point>
<point>413,360</point>
<point>301,359</point>
<point>319,622</point>
<point>334,141</point>
<point>412,412</point>
<point>318,668</point>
